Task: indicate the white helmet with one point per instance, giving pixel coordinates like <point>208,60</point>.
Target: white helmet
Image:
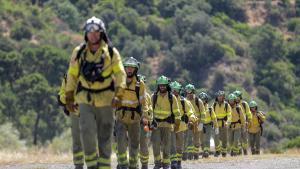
<point>94,24</point>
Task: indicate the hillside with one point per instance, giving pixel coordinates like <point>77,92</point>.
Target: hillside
<point>215,44</point>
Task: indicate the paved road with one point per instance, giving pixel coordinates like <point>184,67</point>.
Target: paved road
<point>249,162</point>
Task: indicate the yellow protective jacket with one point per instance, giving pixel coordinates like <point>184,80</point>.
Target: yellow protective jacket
<point>129,111</point>
<point>238,117</point>
<point>246,109</point>
<point>209,116</point>
<point>189,112</point>
<point>198,109</point>
<point>162,109</point>
<point>255,124</point>
<point>113,68</point>
<point>222,112</point>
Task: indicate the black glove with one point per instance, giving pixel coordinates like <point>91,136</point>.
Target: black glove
<point>185,118</point>
<point>153,125</point>
<point>66,111</point>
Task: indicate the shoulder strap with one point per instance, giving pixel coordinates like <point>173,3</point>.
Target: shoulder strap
<point>183,104</point>
<point>238,109</point>
<point>82,47</point>
<point>154,100</point>
<point>210,111</point>
<point>244,105</point>
<point>215,104</point>
<point>226,107</point>
<point>137,91</point>
<point>111,51</point>
<point>170,96</point>
<point>65,78</point>
<point>197,103</point>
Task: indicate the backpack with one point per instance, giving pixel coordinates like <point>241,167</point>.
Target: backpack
<point>170,119</point>
<point>226,106</point>
<point>138,109</point>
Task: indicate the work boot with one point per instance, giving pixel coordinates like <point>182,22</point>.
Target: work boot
<point>245,151</point>
<point>179,165</point>
<point>157,165</point>
<point>184,156</point>
<point>190,156</point>
<point>79,166</point>
<point>166,166</point>
<point>196,156</point>
<point>205,154</point>
<point>224,154</point>
<point>174,165</point>
<point>144,166</point>
<point>217,153</point>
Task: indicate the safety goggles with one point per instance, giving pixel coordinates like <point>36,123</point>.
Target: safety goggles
<point>93,28</point>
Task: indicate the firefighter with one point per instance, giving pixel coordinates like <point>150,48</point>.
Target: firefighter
<point>223,113</point>
<point>166,113</point>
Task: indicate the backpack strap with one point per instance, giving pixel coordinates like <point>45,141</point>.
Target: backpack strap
<point>170,97</point>
<point>226,107</point>
<point>154,100</point>
<point>238,110</point>
<point>111,51</point>
<point>183,105</point>
<point>244,105</point>
<point>210,111</point>
<point>215,104</point>
<point>197,103</point>
<point>137,92</point>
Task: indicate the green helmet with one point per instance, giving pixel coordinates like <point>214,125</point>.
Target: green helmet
<point>203,96</point>
<point>142,78</point>
<point>232,97</point>
<point>162,80</point>
<point>190,88</point>
<point>131,62</point>
<point>238,93</point>
<point>176,86</point>
<point>252,104</point>
<point>220,93</point>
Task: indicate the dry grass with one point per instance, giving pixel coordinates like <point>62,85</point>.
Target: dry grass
<point>33,157</point>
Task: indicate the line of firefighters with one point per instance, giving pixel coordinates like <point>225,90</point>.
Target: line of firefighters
<point>177,121</point>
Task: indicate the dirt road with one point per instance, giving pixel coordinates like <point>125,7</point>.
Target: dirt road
<point>248,162</point>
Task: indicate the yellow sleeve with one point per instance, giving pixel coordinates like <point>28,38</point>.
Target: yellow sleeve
<point>242,117</point>
<point>73,71</point>
<point>202,110</point>
<point>248,112</point>
<point>229,114</point>
<point>61,93</point>
<point>176,110</point>
<point>214,118</point>
<point>118,73</point>
<point>190,111</point>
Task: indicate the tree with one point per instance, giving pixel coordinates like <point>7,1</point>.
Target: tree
<point>267,44</point>
<point>37,103</point>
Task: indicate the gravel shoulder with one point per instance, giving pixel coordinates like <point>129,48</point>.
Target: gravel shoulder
<point>244,162</point>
